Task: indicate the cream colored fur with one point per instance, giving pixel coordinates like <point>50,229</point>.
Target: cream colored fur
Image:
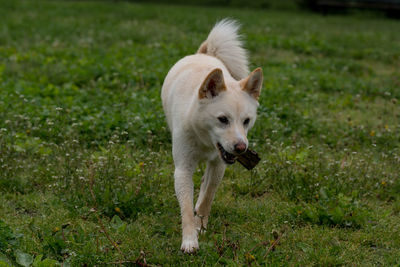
<point>200,93</point>
<point>224,43</point>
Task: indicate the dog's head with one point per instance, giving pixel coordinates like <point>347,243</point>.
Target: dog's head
<point>227,111</point>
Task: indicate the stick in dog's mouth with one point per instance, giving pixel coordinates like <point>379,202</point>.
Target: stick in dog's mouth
<point>248,159</point>
<point>226,156</point>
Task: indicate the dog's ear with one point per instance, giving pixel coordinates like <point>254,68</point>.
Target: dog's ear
<point>253,83</point>
<point>212,85</point>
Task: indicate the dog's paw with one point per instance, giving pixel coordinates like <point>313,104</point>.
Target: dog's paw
<point>202,231</point>
<point>201,223</point>
<point>190,245</point>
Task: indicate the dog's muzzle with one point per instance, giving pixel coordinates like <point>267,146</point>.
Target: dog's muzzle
<point>227,157</point>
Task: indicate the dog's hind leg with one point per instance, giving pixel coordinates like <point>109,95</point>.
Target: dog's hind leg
<point>212,177</point>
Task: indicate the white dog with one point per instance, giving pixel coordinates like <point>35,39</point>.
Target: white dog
<point>210,101</point>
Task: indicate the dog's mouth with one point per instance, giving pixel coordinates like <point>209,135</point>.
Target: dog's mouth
<point>227,157</point>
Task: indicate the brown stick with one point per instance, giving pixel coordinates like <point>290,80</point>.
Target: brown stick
<point>273,245</point>
<point>249,159</point>
<point>263,243</point>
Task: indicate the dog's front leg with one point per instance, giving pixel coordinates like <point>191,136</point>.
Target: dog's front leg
<point>184,193</point>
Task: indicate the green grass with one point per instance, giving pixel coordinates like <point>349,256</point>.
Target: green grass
<point>80,113</point>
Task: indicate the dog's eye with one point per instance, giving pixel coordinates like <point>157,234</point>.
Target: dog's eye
<point>223,119</point>
<point>246,121</point>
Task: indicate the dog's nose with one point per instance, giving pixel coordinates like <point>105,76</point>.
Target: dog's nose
<point>240,147</point>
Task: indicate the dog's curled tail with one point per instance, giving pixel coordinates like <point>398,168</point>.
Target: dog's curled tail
<point>224,43</point>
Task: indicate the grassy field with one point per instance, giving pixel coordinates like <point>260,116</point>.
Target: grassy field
<point>85,156</point>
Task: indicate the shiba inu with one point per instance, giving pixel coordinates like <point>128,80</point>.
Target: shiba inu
<point>210,101</point>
